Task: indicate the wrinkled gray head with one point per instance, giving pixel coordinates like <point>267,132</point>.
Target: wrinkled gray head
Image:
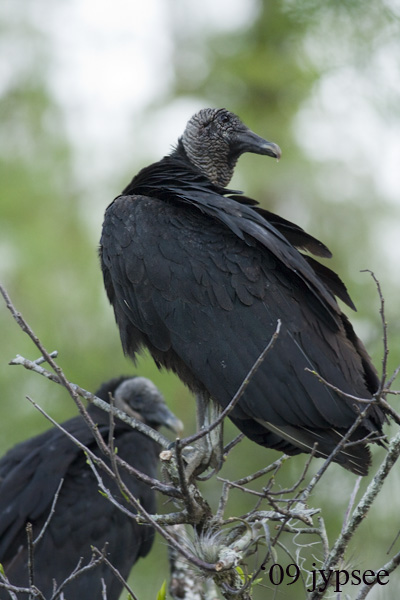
<point>140,398</point>
<point>214,139</point>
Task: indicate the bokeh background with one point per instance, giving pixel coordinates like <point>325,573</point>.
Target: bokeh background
<point>92,91</point>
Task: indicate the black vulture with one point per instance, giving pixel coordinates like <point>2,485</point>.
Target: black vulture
<point>200,275</point>
<point>30,474</point>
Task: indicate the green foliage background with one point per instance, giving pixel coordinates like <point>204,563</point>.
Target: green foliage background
<point>270,71</point>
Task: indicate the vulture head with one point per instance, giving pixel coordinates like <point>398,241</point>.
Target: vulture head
<point>214,139</point>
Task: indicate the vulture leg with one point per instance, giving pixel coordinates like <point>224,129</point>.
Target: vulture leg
<point>209,449</point>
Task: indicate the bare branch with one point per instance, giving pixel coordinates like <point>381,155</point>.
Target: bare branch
<point>360,511</point>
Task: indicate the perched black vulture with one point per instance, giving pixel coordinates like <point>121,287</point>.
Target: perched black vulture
<point>200,275</point>
<point>31,472</point>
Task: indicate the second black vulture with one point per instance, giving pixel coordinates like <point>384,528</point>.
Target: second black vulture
<point>30,474</point>
<point>200,275</point>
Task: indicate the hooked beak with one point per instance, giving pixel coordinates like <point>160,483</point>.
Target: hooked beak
<point>248,141</point>
<point>168,419</point>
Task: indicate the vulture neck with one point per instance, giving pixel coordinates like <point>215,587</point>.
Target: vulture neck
<point>217,166</point>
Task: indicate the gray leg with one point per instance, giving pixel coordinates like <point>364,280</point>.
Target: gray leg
<point>209,449</point>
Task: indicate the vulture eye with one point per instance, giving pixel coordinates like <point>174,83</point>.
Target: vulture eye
<point>224,118</point>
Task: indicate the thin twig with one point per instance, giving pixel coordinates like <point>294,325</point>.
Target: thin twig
<point>384,329</point>
<point>42,359</point>
<point>229,447</point>
<point>324,537</point>
<point>272,467</point>
<point>51,513</point>
<point>115,571</point>
<point>77,572</point>
<point>339,391</point>
<point>302,477</point>
<point>103,589</point>
<point>12,590</point>
<point>392,379</point>
<point>305,494</point>
<point>351,503</point>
